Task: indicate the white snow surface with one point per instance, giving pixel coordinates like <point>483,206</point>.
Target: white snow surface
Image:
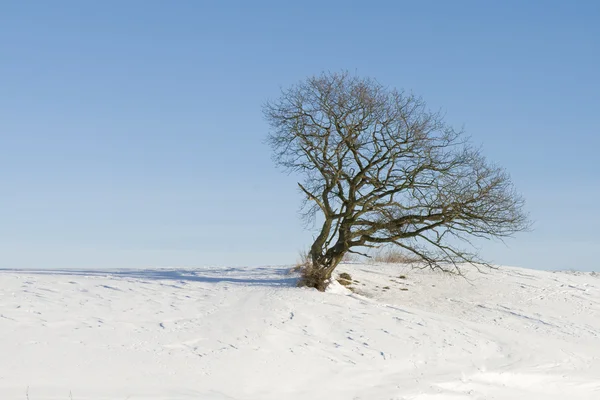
<point>250,334</point>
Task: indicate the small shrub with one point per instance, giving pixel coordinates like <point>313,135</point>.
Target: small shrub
<point>308,275</point>
<point>346,276</point>
<point>344,282</point>
<point>394,256</point>
<point>386,287</point>
<point>404,289</point>
<point>402,277</point>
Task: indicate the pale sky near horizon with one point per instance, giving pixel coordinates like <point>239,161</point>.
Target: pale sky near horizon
<point>131,132</point>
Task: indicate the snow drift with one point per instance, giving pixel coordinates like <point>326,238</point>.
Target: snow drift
<point>249,334</point>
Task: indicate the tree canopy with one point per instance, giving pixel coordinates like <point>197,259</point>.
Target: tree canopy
<point>381,169</point>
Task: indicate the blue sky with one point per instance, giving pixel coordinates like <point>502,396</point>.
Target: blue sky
<point>131,132</point>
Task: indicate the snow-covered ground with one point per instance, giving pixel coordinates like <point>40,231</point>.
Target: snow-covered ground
<point>234,333</point>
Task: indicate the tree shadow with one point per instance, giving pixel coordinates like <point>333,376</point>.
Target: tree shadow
<point>262,276</point>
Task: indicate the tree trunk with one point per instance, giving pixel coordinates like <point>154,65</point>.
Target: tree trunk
<point>319,274</point>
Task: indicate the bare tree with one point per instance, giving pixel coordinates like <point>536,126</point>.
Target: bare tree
<point>382,169</point>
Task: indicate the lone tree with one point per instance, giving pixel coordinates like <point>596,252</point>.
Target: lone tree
<point>382,169</point>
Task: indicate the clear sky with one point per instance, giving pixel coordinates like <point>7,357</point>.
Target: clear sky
<point>131,132</point>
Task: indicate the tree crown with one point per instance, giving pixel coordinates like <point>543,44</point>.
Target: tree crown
<point>382,168</point>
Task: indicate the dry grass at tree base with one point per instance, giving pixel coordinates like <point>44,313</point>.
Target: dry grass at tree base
<point>308,275</point>
<point>309,278</point>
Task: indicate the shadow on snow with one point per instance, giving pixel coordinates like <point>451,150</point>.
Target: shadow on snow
<point>262,276</point>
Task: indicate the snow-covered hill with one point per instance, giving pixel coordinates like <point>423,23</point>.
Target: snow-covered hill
<point>229,333</point>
